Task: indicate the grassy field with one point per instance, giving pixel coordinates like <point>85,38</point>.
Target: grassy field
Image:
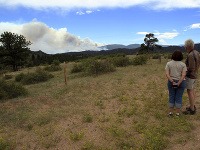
<point>122,110</point>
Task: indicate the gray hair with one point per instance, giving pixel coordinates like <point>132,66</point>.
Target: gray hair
<point>189,43</point>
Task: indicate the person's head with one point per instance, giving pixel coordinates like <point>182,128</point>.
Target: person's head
<point>189,45</point>
<point>177,56</point>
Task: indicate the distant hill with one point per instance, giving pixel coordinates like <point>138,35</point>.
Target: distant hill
<point>116,46</point>
<point>167,48</point>
<point>41,57</point>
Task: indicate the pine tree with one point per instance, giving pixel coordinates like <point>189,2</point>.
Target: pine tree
<point>14,50</point>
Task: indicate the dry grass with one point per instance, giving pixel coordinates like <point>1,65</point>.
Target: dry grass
<point>126,109</point>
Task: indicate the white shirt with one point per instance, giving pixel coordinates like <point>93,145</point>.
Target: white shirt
<point>175,69</point>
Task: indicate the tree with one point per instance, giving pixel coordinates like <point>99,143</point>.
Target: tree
<point>14,50</point>
<point>150,41</point>
<point>143,49</point>
<point>149,44</point>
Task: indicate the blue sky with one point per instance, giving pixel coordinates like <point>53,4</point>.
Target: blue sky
<point>77,25</point>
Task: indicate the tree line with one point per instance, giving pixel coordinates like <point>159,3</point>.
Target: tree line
<point>15,52</point>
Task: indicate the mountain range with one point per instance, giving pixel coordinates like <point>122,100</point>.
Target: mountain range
<point>116,46</point>
<point>105,50</point>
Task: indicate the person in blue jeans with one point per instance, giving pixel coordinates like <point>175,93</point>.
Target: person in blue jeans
<point>175,71</point>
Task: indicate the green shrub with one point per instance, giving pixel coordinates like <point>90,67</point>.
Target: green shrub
<point>33,78</point>
<point>77,68</point>
<point>76,136</point>
<point>2,66</point>
<point>87,118</point>
<point>55,66</point>
<point>52,68</point>
<point>96,67</point>
<point>156,56</point>
<point>19,77</point>
<point>11,90</point>
<point>93,67</point>
<point>56,62</point>
<point>3,94</point>
<point>7,77</point>
<point>88,145</point>
<point>121,61</point>
<point>4,145</point>
<point>167,56</point>
<point>139,60</point>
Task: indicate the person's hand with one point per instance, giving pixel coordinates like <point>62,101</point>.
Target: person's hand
<point>174,84</point>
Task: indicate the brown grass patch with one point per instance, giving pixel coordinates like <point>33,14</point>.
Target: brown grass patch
<point>123,110</point>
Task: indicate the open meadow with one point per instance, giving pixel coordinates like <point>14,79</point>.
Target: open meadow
<point>122,110</point>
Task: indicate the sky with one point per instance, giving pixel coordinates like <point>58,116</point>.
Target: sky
<point>77,25</point>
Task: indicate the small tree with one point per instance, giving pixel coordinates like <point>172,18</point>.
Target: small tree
<point>14,50</point>
<point>150,41</point>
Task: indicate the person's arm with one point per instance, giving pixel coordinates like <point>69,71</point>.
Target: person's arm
<point>168,75</point>
<point>182,77</point>
<point>191,63</point>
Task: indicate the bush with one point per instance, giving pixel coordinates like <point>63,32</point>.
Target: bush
<point>77,68</point>
<point>19,77</point>
<point>55,66</point>
<point>7,77</point>
<point>56,62</point>
<point>4,145</point>
<point>121,61</point>
<point>139,60</point>
<point>168,56</point>
<point>11,90</point>
<point>52,68</point>
<point>95,67</point>
<point>32,78</point>
<point>156,56</point>
<point>2,72</point>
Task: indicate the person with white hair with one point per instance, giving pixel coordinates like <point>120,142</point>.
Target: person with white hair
<point>192,63</point>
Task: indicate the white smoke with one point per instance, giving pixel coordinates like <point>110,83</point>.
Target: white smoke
<point>47,39</point>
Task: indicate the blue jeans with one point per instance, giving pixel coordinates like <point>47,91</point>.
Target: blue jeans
<point>176,94</point>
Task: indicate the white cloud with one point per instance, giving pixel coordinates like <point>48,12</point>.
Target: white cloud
<point>172,4</point>
<point>162,37</point>
<point>88,4</point>
<point>48,39</point>
<point>89,11</point>
<point>80,13</point>
<point>166,35</point>
<point>195,26</point>
<point>142,33</point>
<point>85,12</point>
<point>192,26</point>
<point>163,42</point>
